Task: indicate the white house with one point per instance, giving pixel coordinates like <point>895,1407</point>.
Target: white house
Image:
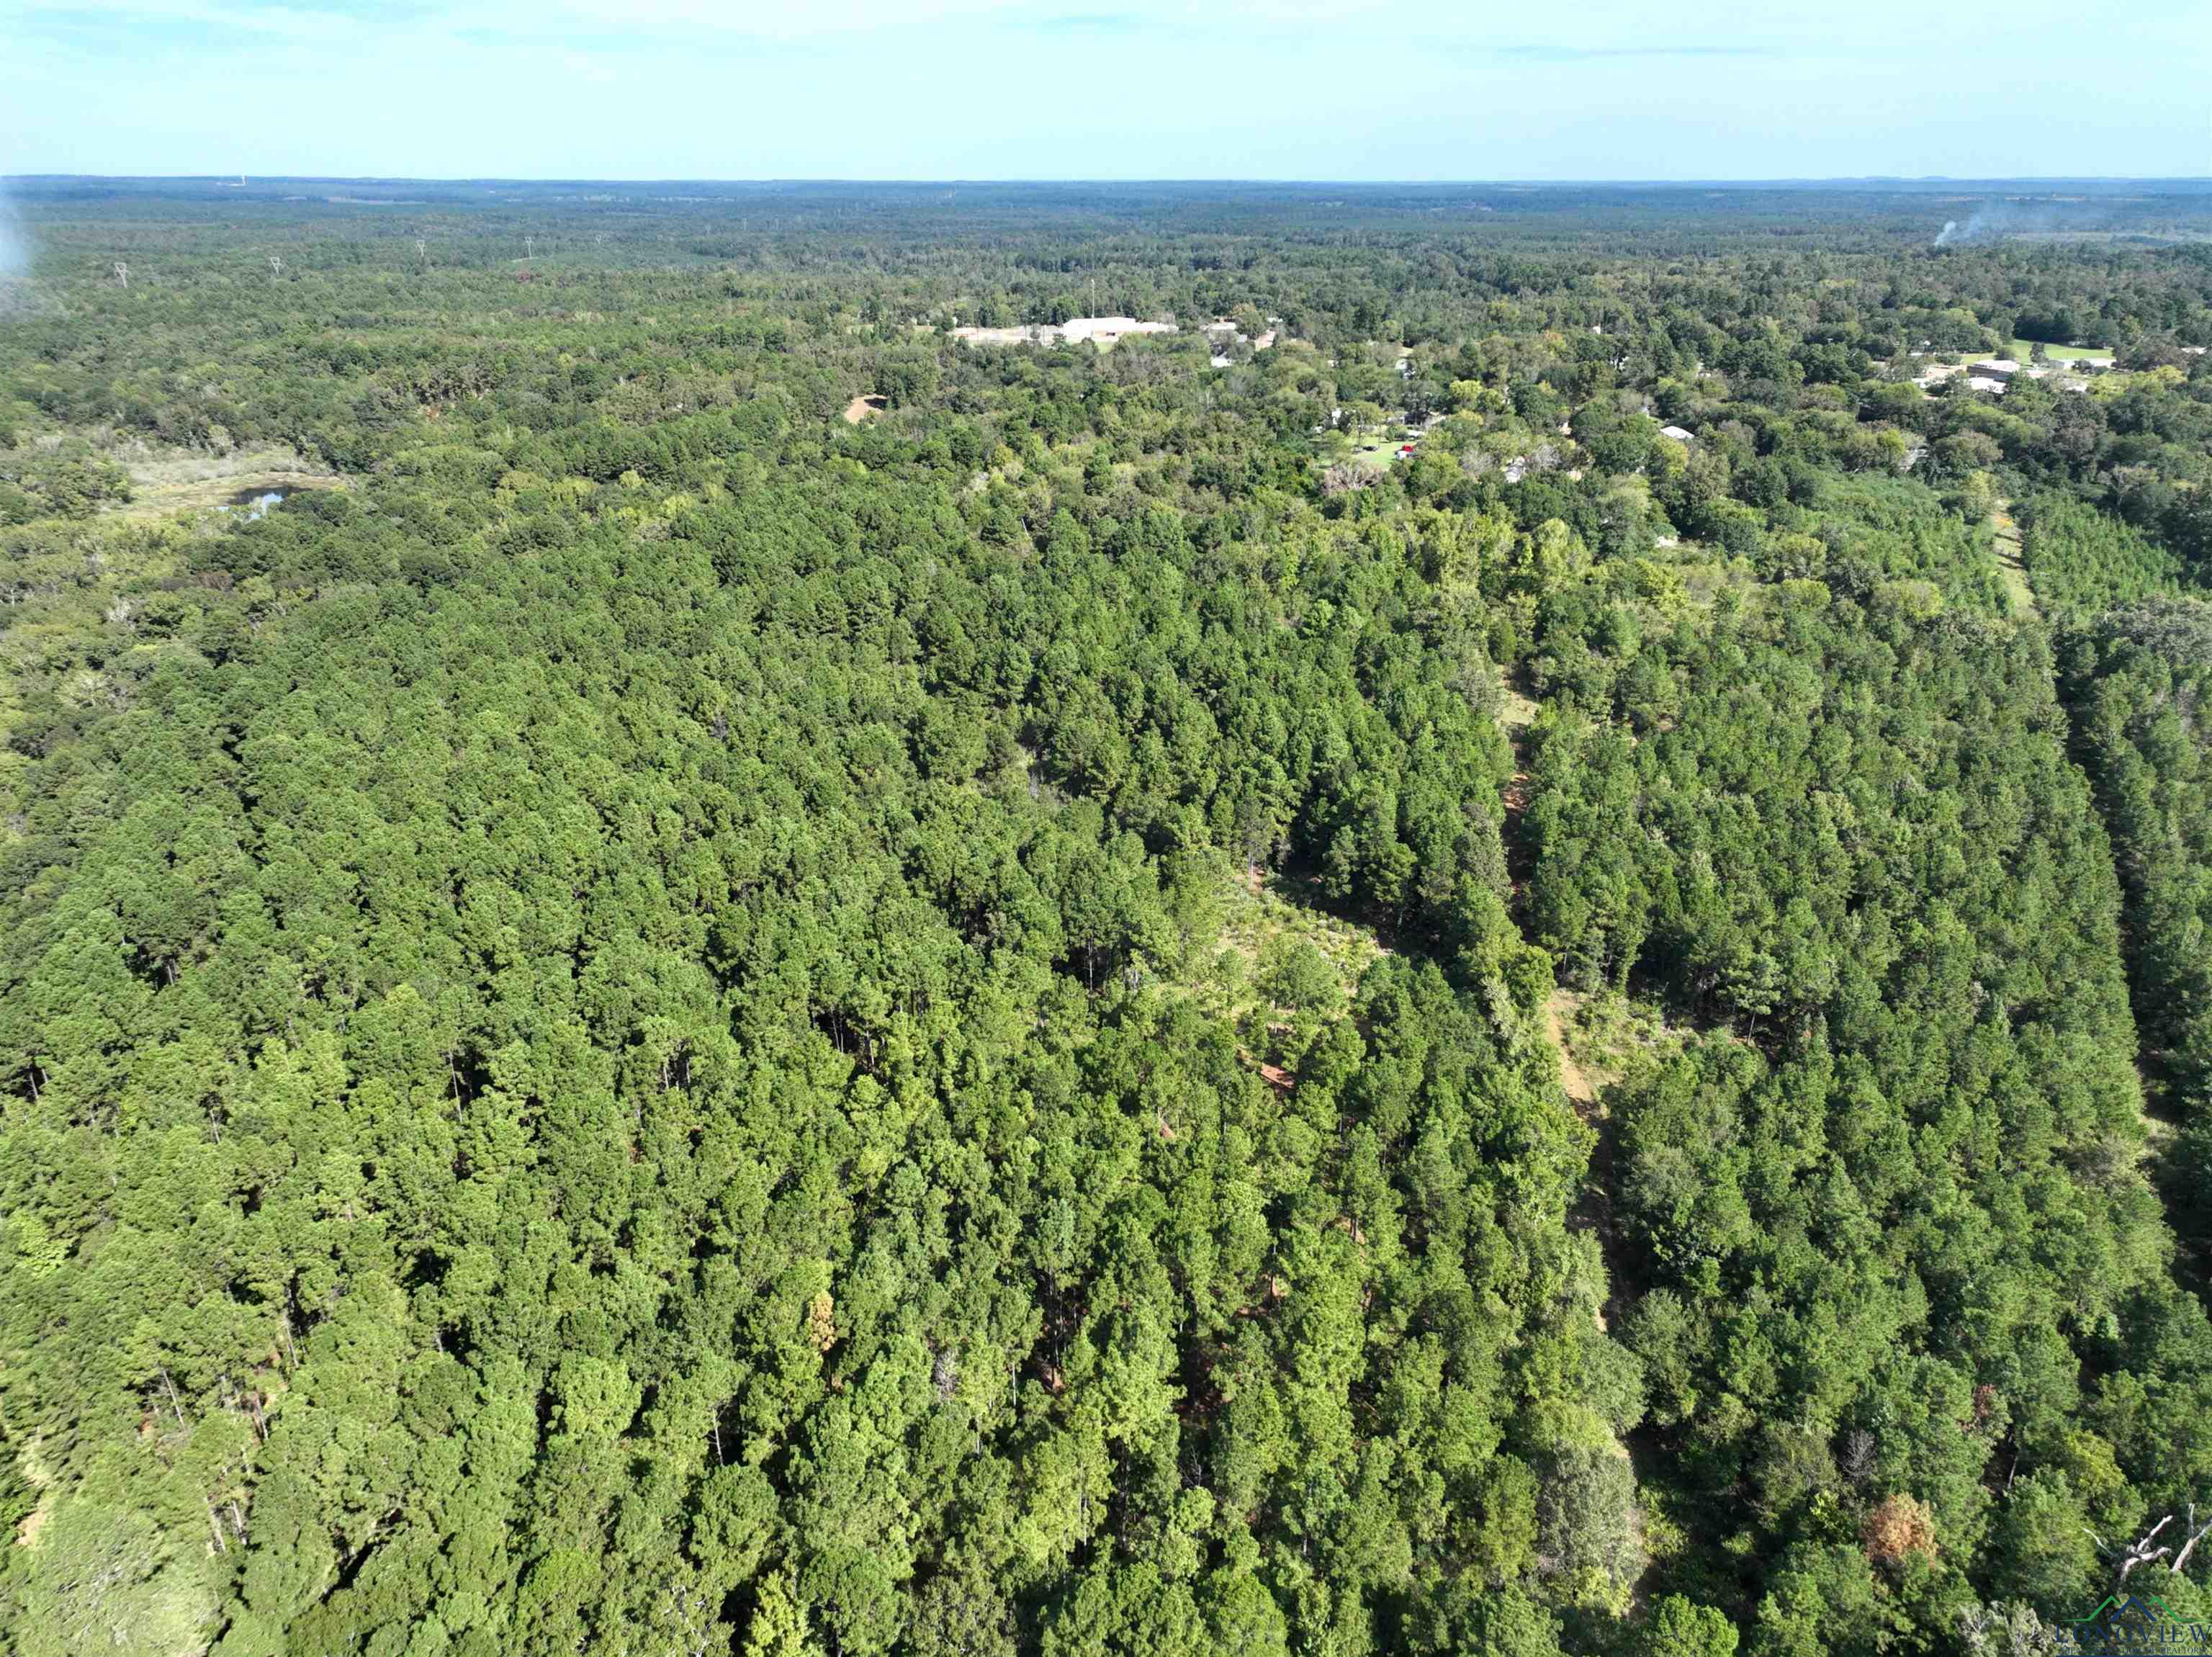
<point>1105,330</point>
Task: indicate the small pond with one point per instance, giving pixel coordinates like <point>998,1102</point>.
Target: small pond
<point>254,503</point>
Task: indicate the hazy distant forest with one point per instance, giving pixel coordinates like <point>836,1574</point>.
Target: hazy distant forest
<point>1507,950</point>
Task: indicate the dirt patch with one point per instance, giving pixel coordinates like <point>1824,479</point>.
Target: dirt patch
<point>1581,1086</point>
<point>35,1473</point>
<point>864,407</point>
<point>27,1531</point>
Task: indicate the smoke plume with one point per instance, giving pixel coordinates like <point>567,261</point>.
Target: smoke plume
<point>1993,221</point>
<point>15,249</point>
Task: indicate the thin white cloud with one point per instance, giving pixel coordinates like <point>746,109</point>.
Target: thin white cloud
<point>763,21</point>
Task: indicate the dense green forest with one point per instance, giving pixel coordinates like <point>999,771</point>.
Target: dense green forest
<point>1506,950</point>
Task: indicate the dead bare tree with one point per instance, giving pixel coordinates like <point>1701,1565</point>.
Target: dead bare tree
<point>2195,1536</point>
<point>1345,477</point>
<point>2136,1553</point>
<point>276,265</point>
<point>1858,1461</point>
<point>123,273</point>
<point>2140,1551</point>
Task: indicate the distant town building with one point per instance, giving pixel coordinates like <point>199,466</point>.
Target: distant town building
<point>971,335</point>
<point>1105,330</point>
<point>1081,330</point>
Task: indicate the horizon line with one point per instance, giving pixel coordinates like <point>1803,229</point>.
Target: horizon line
<point>1363,183</point>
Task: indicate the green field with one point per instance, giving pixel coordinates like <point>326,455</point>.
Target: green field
<point>1376,455</point>
<point>1381,455</point>
<point>2021,350</point>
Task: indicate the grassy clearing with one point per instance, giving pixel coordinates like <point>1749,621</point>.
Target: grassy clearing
<point>2010,567</point>
<point>1517,711</point>
<point>1380,456</point>
<point>1375,452</point>
<point>1581,1084</point>
<point>1261,943</point>
<point>163,483</point>
<point>2021,350</point>
<point>1608,1035</point>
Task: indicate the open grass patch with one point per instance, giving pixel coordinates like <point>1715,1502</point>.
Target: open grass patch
<point>188,481</point>
<point>1279,968</point>
<point>1610,1034</point>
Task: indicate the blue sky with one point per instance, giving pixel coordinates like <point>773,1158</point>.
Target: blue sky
<point>1107,88</point>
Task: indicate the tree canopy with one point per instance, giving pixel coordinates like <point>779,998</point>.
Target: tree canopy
<point>1082,1013</point>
